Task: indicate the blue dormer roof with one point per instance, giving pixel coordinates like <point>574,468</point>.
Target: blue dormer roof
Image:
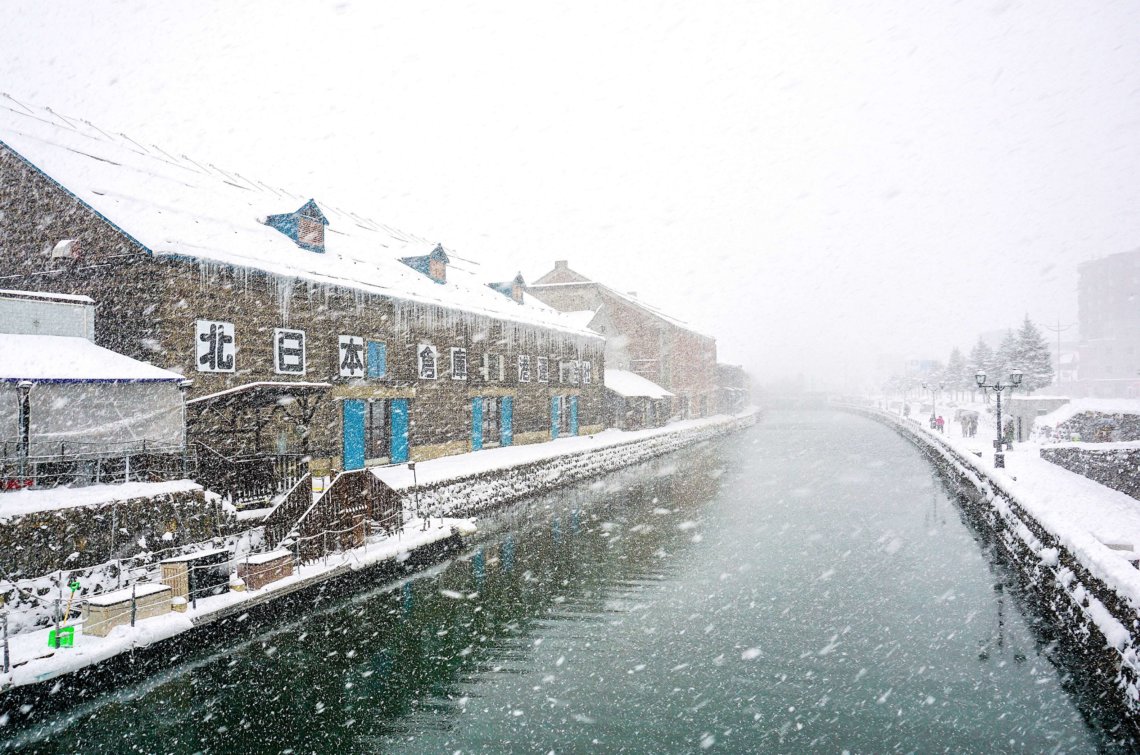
<point>305,226</point>
<point>508,288</point>
<point>422,263</point>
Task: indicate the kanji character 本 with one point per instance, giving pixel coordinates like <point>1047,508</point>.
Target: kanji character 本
<point>351,356</point>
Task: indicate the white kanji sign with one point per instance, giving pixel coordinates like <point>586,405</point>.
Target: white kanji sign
<point>288,351</point>
<point>428,357</point>
<point>351,356</point>
<point>215,346</point>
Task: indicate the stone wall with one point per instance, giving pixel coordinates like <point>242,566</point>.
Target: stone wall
<point>77,537</point>
<point>1100,427</point>
<point>1117,468</point>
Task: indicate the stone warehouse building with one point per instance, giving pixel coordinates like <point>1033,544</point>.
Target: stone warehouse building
<point>640,338</point>
<point>307,330</point>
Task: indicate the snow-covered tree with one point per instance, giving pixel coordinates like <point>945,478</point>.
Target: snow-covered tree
<point>958,376</point>
<point>1032,357</point>
<point>982,358</point>
<point>1006,358</point>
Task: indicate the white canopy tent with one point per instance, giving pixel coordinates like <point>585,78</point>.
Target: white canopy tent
<point>85,399</point>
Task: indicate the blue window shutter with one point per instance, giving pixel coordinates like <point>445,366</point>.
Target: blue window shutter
<point>377,359</point>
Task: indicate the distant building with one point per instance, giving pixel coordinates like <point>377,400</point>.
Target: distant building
<point>733,388</point>
<point>1108,304</point>
<point>639,338</point>
<point>308,330</point>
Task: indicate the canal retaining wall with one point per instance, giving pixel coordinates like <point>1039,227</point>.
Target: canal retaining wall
<point>1094,610</point>
<point>481,492</point>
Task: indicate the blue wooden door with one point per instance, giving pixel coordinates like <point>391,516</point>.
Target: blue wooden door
<point>554,417</point>
<point>352,413</point>
<point>398,415</point>
<point>476,424</point>
<point>573,415</point>
<point>506,413</point>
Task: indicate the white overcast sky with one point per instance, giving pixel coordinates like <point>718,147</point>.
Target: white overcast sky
<point>815,183</point>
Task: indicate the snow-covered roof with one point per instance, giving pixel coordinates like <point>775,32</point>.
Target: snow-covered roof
<point>179,206</point>
<point>629,384</point>
<point>628,299</point>
<point>582,318</point>
<point>73,298</point>
<point>67,359</point>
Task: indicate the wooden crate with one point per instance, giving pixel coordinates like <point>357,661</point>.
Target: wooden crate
<point>104,612</point>
<point>258,571</point>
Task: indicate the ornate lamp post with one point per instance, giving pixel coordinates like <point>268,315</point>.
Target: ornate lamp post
<point>934,391</point>
<point>997,388</point>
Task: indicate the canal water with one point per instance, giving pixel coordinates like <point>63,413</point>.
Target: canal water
<point>805,585</point>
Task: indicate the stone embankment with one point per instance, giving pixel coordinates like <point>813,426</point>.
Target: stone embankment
<point>474,493</point>
<point>1095,615</point>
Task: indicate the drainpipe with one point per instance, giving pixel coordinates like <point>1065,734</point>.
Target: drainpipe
<point>24,389</point>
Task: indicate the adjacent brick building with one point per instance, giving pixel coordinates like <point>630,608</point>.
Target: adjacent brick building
<point>640,338</point>
<point>306,329</point>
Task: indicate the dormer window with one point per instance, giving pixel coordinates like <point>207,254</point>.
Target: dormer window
<point>433,265</point>
<point>512,289</point>
<point>306,226</point>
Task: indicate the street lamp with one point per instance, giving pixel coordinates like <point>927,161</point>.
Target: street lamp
<point>933,400</point>
<point>997,388</point>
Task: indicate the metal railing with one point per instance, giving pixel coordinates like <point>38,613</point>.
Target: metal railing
<point>80,463</point>
<point>250,478</point>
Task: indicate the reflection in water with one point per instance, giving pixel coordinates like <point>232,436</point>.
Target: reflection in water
<point>780,589</point>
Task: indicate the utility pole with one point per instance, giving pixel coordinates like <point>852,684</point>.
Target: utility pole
<point>1058,331</point>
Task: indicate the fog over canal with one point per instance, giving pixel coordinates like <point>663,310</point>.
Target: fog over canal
<point>804,585</point>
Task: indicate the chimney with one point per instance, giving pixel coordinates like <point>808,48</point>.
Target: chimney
<point>437,264</point>
<point>517,288</point>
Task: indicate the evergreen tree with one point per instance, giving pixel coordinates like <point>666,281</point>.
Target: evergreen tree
<point>1006,359</point>
<point>982,358</point>
<point>958,376</point>
<point>1032,357</point>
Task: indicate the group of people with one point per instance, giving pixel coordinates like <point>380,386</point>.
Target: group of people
<point>969,422</point>
<point>937,423</point>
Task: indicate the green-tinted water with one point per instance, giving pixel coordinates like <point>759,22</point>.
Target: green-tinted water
<point>803,586</point>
